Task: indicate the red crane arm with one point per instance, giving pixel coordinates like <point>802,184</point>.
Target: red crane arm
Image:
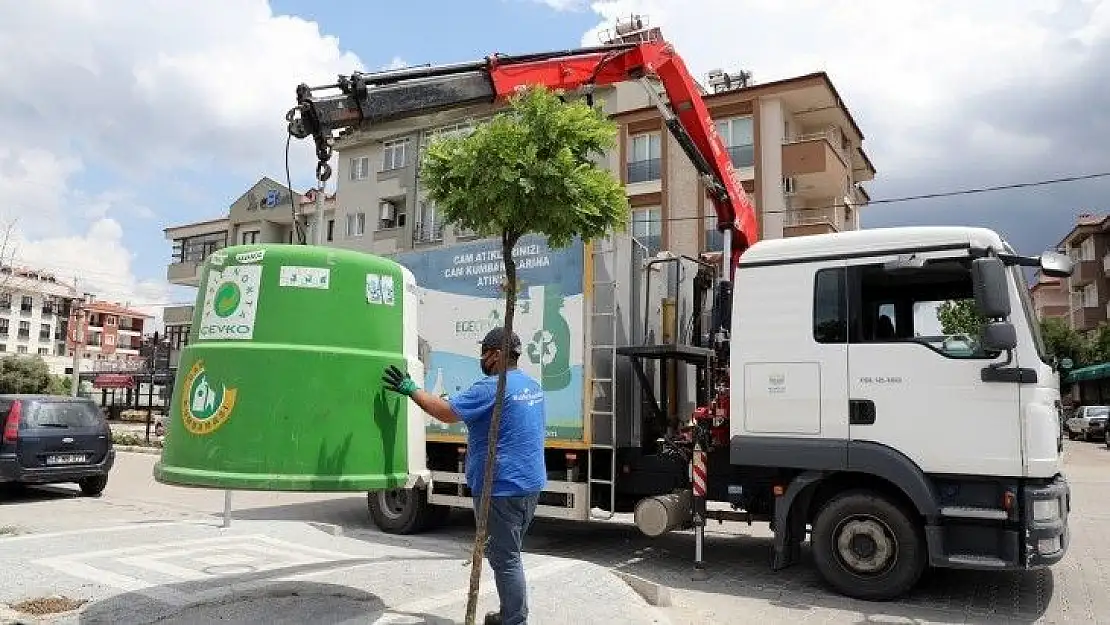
<point>735,210</point>
<point>370,99</point>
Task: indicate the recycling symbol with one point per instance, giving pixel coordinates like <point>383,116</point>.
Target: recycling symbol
<point>542,348</point>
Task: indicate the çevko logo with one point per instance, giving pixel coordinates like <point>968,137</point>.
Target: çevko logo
<point>205,406</point>
<point>230,303</point>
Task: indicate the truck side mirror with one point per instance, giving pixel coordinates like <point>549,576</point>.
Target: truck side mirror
<point>999,336</point>
<point>989,281</point>
<point>1056,265</point>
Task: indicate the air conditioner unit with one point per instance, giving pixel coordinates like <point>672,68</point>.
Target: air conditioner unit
<point>387,211</point>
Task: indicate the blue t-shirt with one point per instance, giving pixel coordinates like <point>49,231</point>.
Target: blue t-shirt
<point>520,468</point>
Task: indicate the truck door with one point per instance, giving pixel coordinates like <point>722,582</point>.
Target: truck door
<point>914,372</point>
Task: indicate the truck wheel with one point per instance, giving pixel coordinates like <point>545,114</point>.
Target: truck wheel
<point>399,510</point>
<point>867,547</point>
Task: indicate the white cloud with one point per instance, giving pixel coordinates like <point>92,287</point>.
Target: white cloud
<point>395,63</point>
<point>143,90</point>
<point>564,5</point>
<point>907,70</point>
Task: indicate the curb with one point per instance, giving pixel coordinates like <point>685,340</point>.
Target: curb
<point>654,594</point>
<point>137,449</point>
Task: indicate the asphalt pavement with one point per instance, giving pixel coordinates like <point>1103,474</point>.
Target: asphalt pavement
<point>144,553</point>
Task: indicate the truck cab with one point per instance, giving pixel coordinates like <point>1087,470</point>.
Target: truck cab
<point>895,386</point>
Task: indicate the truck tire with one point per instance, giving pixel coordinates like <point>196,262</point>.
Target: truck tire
<point>400,510</point>
<point>867,547</point>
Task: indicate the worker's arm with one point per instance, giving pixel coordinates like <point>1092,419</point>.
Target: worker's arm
<point>438,407</point>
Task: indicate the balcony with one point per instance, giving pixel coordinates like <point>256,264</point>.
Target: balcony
<point>184,273</point>
<point>805,222</point>
<point>177,315</point>
<point>820,169</point>
<point>428,232</point>
<point>643,171</point>
<point>1089,317</point>
<point>1086,272</point>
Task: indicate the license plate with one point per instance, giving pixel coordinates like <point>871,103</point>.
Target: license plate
<point>66,459</point>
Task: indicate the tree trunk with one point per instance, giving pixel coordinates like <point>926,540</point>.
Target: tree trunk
<point>507,243</point>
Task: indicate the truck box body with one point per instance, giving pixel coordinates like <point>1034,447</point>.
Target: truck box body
<point>461,298</point>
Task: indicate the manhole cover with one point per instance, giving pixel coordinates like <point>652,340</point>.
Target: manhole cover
<point>40,606</point>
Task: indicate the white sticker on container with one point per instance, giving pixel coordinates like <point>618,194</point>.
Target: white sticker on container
<point>250,257</point>
<point>217,258</point>
<point>373,288</point>
<point>304,277</point>
<point>387,291</point>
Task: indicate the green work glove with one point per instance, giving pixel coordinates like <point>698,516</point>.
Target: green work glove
<point>399,382</point>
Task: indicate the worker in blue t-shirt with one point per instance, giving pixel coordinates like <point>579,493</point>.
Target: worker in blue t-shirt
<point>519,474</point>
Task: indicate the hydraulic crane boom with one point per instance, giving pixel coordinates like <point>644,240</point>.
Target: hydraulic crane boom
<point>367,99</point>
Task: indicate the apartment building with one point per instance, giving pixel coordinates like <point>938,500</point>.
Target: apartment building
<point>110,335</point>
<point>796,148</point>
<point>1050,297</point>
<point>33,309</point>
<point>262,214</point>
<point>1088,288</point>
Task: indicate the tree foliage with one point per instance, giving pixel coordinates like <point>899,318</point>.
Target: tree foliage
<point>24,374</point>
<point>960,317</point>
<point>529,169</point>
<point>534,168</point>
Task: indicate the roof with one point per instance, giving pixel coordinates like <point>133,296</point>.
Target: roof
<point>112,308</point>
<point>856,241</point>
<point>36,286</point>
<point>1085,224</point>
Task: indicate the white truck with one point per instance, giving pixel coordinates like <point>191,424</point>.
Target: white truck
<point>803,382</point>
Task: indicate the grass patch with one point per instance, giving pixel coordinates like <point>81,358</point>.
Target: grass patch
<point>134,440</point>
<point>8,530</point>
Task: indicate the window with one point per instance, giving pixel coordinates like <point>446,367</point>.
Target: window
<point>47,307</point>
<point>830,307</point>
<point>331,229</point>
<point>248,237</point>
<point>26,303</point>
<point>394,154</point>
<point>21,349</point>
<point>44,351</point>
<point>644,157</point>
<point>1087,249</point>
<point>196,249</point>
<point>6,300</point>
<point>738,136</point>
<point>908,305</point>
<point>360,168</point>
<point>391,214</point>
<point>1090,295</point>
<point>24,330</point>
<point>647,228</point>
<point>356,224</point>
<point>4,329</point>
<point>44,332</point>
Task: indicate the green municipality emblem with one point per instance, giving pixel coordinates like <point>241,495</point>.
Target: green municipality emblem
<point>227,299</point>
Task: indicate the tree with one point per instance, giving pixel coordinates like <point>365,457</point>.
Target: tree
<point>1062,341</point>
<point>528,170</point>
<point>960,317</point>
<point>24,374</point>
<point>59,385</point>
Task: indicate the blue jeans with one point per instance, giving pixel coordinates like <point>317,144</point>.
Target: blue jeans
<point>509,519</point>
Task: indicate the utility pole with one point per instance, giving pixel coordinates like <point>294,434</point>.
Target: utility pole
<point>77,311</point>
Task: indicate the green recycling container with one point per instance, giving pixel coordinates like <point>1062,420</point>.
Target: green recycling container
<point>279,388</point>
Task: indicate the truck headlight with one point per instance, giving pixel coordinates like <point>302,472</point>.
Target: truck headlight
<point>1046,509</point>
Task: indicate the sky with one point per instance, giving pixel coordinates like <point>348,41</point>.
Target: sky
<point>121,118</point>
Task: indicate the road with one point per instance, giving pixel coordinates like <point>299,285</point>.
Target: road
<point>740,589</point>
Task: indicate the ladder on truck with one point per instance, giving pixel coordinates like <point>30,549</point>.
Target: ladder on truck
<point>603,339</point>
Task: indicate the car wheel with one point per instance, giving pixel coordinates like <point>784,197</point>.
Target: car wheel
<point>867,547</point>
<point>93,486</point>
<point>1071,435</point>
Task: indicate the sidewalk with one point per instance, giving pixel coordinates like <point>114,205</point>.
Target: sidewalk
<point>279,572</point>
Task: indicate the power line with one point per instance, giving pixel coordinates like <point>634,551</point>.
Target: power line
<point>923,196</point>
